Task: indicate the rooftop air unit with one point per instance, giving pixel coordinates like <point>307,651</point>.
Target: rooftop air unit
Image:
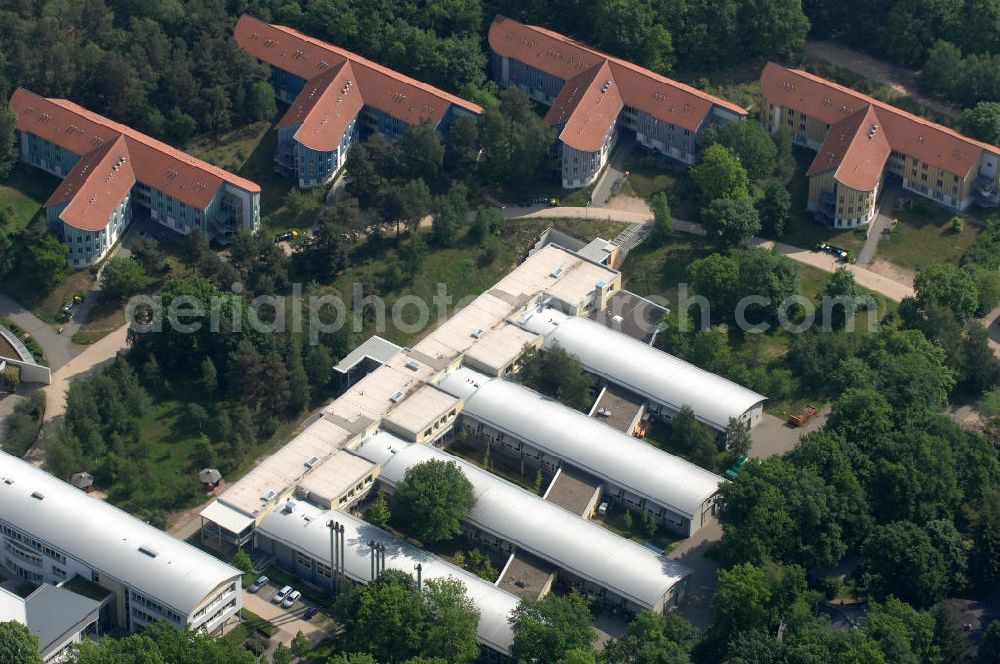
<point>478,334</point>
<point>412,365</point>
<point>556,272</point>
<point>268,496</point>
<point>311,461</point>
<point>396,397</point>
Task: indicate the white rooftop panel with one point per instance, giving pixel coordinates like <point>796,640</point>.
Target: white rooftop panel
<point>543,528</point>
<point>225,516</point>
<point>108,539</point>
<point>306,529</point>
<point>583,441</point>
<point>645,370</point>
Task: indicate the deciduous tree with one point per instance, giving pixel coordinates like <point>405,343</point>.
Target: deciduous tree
<point>432,499</point>
<point>730,221</point>
<point>720,174</point>
<point>545,630</point>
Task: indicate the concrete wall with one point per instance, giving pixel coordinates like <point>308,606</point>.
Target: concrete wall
<point>31,372</point>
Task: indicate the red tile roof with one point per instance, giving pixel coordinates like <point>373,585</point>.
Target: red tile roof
<point>909,134</point>
<point>587,106</point>
<point>857,148</point>
<point>389,91</point>
<point>325,108</point>
<point>82,132</point>
<point>565,58</point>
<point>95,186</point>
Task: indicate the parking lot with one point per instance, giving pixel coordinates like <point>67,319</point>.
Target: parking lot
<point>288,621</point>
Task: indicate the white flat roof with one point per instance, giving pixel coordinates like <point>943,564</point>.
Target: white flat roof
<point>225,516</point>
<point>542,528</point>
<point>583,441</point>
<point>107,539</point>
<point>285,467</point>
<point>501,345</point>
<point>399,391</point>
<point>336,475</point>
<point>305,529</point>
<point>376,348</point>
<point>649,372</point>
<point>421,409</point>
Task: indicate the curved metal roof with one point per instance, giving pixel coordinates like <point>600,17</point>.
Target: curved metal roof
<point>542,528</point>
<point>583,441</point>
<point>305,529</point>
<point>649,372</point>
<point>107,539</point>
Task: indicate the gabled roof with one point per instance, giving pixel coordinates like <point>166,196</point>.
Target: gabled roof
<point>95,186</point>
<point>567,59</point>
<point>389,91</point>
<point>587,106</point>
<point>325,108</point>
<point>857,148</point>
<point>94,138</point>
<point>909,134</point>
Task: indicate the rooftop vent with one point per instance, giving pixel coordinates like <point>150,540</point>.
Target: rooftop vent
<point>311,461</point>
<point>478,334</point>
<point>149,551</point>
<point>8,480</point>
<point>37,496</point>
<point>412,365</point>
<point>290,506</point>
<point>556,272</point>
<point>396,397</point>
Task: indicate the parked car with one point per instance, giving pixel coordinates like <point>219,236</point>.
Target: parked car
<point>258,584</point>
<point>281,595</point>
<point>291,599</point>
<point>310,612</point>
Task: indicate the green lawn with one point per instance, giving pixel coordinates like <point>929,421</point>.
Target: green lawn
<point>464,269</point>
<point>657,270</point>
<point>167,431</point>
<point>49,306</point>
<point>249,152</point>
<point>649,175</point>
<point>25,191</point>
<point>924,235</point>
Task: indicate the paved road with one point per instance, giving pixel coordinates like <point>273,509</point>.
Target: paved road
<point>59,349</point>
<point>94,357</point>
<point>774,436</point>
<point>288,621</point>
<point>882,221</point>
<point>613,173</point>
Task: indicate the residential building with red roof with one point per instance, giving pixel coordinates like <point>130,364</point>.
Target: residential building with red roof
<point>593,96</point>
<point>337,97</point>
<point>861,142</point>
<point>112,173</point>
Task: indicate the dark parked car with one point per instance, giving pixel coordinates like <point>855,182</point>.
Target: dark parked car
<point>311,611</point>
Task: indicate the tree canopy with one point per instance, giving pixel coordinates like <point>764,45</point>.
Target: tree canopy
<point>557,373</point>
<point>545,630</point>
<point>393,621</point>
<point>432,499</point>
<point>17,644</point>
